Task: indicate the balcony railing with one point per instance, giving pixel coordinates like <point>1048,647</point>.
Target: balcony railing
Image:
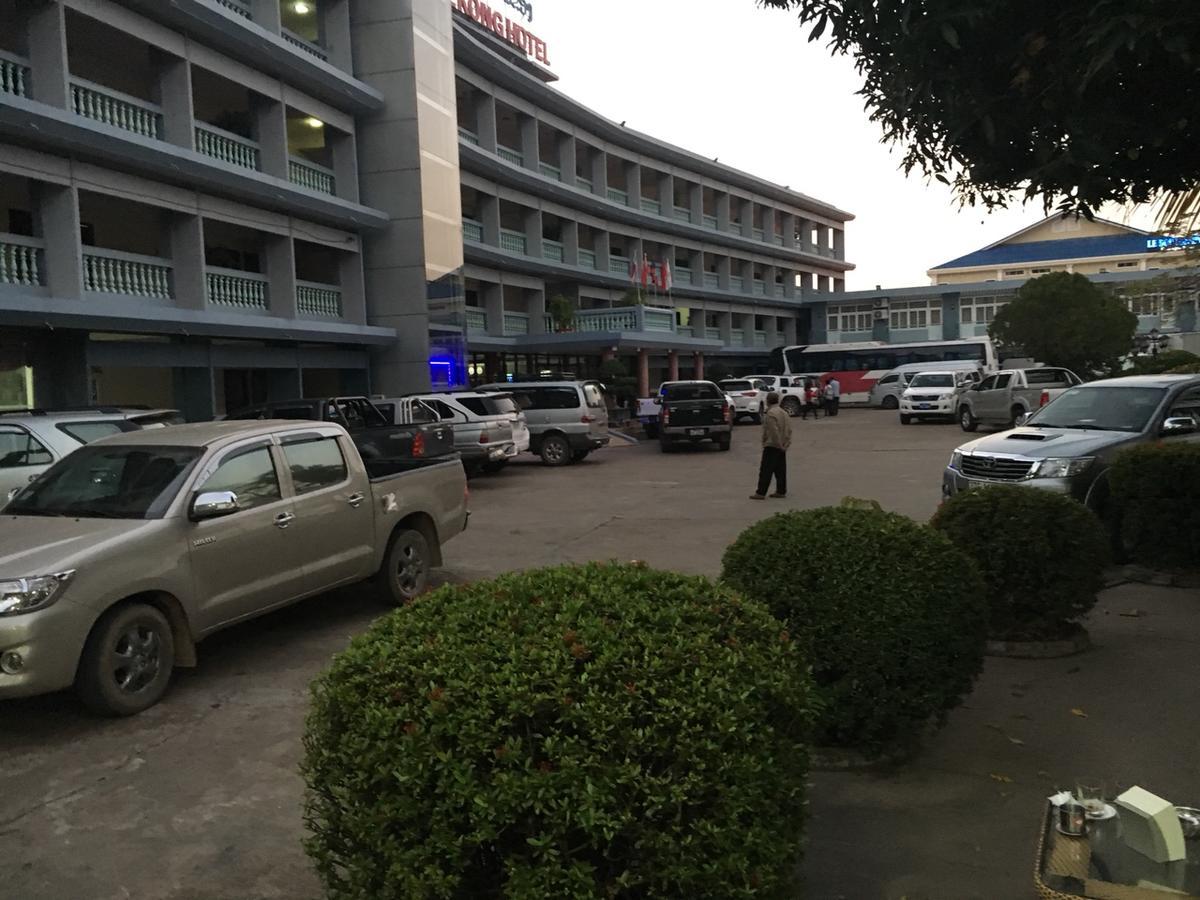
<point>737,337</point>
<point>467,136</point>
<point>778,291</point>
<point>553,250</point>
<point>113,272</point>
<point>651,206</point>
<point>310,175</point>
<point>759,234</point>
<point>476,320</point>
<point>236,7</point>
<point>227,147</point>
<point>616,195</point>
<point>778,239</point>
<point>307,46</point>
<point>516,323</point>
<point>712,334</point>
<point>316,299</point>
<point>737,283</point>
<point>682,275</point>
<point>759,288</point>
<point>516,157</point>
<point>240,290</point>
<point>585,183</point>
<point>710,221</point>
<point>512,241</point>
<point>712,280</point>
<point>683,330</point>
<point>587,259</point>
<point>760,339</point>
<point>632,318</point>
<point>618,264</point>
<point>14,75</point>
<point>683,214</point>
<point>654,319</point>
<point>109,107</point>
<point>20,260</point>
<point>473,231</point>
<point>550,171</point>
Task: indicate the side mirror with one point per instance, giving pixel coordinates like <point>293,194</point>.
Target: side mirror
<point>213,504</point>
<point>13,493</point>
<point>658,401</point>
<point>1021,419</point>
<point>1179,425</point>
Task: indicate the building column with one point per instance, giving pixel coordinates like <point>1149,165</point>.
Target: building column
<point>266,14</point>
<point>724,267</point>
<point>57,209</point>
<point>769,274</point>
<point>790,289</point>
<point>666,195</point>
<point>643,373</point>
<point>725,324</point>
<point>747,274</point>
<point>806,282</point>
<point>747,324</point>
<point>485,122</point>
<point>493,304</point>
<point>570,239</point>
<point>567,162</point>
<point>490,213</point>
<point>194,392</point>
<point>601,244</point>
<point>174,95</point>
<point>696,264</point>
<point>789,230</point>
<point>698,366</point>
<point>533,233</point>
<point>354,291</point>
<point>187,261</point>
<point>599,172</point>
<point>696,203</point>
<point>271,133</point>
<point>747,212</point>
<point>772,329</point>
<point>47,37</point>
<point>335,33</point>
<point>345,165</point>
<point>530,150</point>
<point>723,202</point>
<point>281,275</point>
<point>633,184</point>
<point>789,330</point>
<point>672,365</point>
<point>535,303</point>
<point>839,243</point>
<point>769,225</point>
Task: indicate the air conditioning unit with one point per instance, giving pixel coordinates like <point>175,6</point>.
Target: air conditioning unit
<point>881,310</point>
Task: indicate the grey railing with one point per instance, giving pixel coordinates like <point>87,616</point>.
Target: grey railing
<point>227,147</point>
<point>115,272</point>
<point>241,290</point>
<point>310,175</point>
<point>14,75</point>
<point>315,299</point>
<point>307,46</point>
<point>109,107</point>
<point>20,260</point>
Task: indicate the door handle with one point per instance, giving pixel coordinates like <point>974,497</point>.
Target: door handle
<point>284,519</point>
<point>355,500</point>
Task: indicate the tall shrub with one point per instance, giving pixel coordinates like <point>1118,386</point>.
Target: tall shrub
<point>603,731</point>
<point>1041,555</point>
<point>1156,489</point>
<point>889,613</point>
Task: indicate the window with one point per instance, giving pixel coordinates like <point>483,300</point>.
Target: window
<point>1126,265</point>
<point>889,379</point>
<point>1002,381</point>
<point>250,474</point>
<point>1011,272</point>
<point>1041,377</point>
<point>315,464</point>
<point>982,310</point>
<point>86,432</point>
<point>916,313</point>
<point>593,396</point>
<point>1152,305</point>
<point>851,317</point>
<point>445,411</point>
<point>490,406</point>
<point>988,383</point>
<point>696,391</point>
<point>552,398</point>
<point>19,448</point>
<point>737,386</point>
<point>1042,271</point>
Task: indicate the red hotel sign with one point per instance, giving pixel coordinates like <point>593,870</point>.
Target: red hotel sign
<point>504,27</point>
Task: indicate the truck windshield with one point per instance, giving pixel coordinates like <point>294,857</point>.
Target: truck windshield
<point>933,379</point>
<point>1100,408</point>
<point>98,482</point>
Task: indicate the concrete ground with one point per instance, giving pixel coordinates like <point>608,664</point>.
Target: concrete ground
<point>199,799</point>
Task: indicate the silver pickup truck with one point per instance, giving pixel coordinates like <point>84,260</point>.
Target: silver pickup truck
<point>120,558</point>
<point>1001,399</point>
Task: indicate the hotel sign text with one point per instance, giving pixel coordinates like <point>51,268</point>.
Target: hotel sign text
<point>504,27</point>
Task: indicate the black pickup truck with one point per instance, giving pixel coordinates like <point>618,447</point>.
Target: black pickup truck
<point>376,437</point>
<point>693,411</point>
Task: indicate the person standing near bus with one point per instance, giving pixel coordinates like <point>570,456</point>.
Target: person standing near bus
<point>776,438</point>
<point>836,404</point>
<point>812,399</point>
<point>827,397</point>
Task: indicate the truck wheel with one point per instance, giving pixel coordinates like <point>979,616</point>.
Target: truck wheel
<point>791,406</point>
<point>555,450</point>
<point>966,419</point>
<point>651,430</point>
<point>725,442</point>
<point>127,661</point>
<point>889,402</point>
<point>757,419</point>
<point>905,420</point>
<point>405,572</point>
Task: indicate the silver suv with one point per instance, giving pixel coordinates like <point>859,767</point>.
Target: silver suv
<point>567,419</point>
<point>489,429</point>
<point>32,440</point>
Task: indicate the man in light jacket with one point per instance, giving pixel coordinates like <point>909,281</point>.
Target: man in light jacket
<point>776,438</point>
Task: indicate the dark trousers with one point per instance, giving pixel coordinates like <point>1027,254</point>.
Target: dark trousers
<point>813,407</point>
<point>774,464</point>
<point>834,405</point>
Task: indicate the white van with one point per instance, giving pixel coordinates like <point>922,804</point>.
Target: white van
<point>886,392</point>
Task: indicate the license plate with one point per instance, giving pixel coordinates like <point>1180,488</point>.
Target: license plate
<point>695,432</point>
<point>922,406</point>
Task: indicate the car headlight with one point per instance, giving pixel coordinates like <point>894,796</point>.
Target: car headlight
<point>1062,468</point>
<point>956,459</point>
<point>22,595</point>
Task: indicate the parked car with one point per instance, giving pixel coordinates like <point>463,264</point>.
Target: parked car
<point>931,395</point>
<point>692,412</point>
<point>885,393</point>
<point>748,397</point>
<point>123,556</point>
<point>32,440</point>
<point>489,428</point>
<point>1001,399</point>
<point>567,419</point>
<point>1069,444</point>
<point>418,435</point>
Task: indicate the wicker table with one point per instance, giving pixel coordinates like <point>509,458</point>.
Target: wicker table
<point>1100,866</point>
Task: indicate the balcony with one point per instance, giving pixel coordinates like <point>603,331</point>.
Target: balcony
<point>117,110</point>
<point>616,195</point>
<point>632,318</point>
<point>237,7</point>
<point>516,323</point>
<point>585,183</point>
<point>737,337</point>
<point>550,171</point>
<point>513,156</point>
<point>512,241</point>
<point>651,206</point>
<point>315,299</point>
<point>683,275</point>
<point>21,260</point>
<point>311,176</point>
<point>778,239</point>
<point>115,272</point>
<point>737,283</point>
<point>236,289</point>
<point>712,281</point>
<point>307,46</point>
<point>683,214</point>
<point>553,250</point>
<point>587,259</point>
<point>710,222</point>
<point>712,334</point>
<point>14,75</point>
<point>759,288</point>
<point>227,147</point>
<point>760,339</point>
<point>467,136</point>
<point>618,264</point>
<point>759,234</point>
<point>778,291</point>
<point>473,231</point>
<point>476,320</point>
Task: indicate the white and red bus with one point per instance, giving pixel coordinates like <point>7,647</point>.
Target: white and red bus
<point>859,366</point>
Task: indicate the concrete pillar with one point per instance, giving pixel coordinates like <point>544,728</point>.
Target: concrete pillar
<point>354,292</point>
<point>187,260</point>
<point>746,321</point>
<point>601,244</point>
<point>280,254</point>
<point>747,273</point>
<point>951,320</point>
<point>769,274</point>
<point>789,330</point>
<point>696,264</point>
<point>839,243</point>
<point>535,302</point>
<point>725,324</point>
<point>493,303</point>
<point>47,36</point>
<point>335,33</point>
<point>723,201</point>
<point>790,289</point>
<point>789,230</point>
<point>724,266</point>
<point>174,95</point>
<point>643,372</point>
<point>698,366</point>
<point>566,158</point>
<point>769,232</point>
<point>490,213</point>
<point>672,365</point>
<point>599,172</point>
<point>266,14</point>
<point>570,239</point>
<point>345,164</point>
<point>772,329</point>
<point>57,209</point>
<point>271,133</point>
<point>839,285</point>
<point>533,233</point>
<point>696,203</point>
<point>666,194</point>
<point>806,282</point>
<point>747,214</point>
<point>633,184</point>
<point>485,121</point>
<point>530,151</point>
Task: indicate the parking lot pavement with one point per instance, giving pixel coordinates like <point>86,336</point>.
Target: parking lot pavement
<point>199,797</point>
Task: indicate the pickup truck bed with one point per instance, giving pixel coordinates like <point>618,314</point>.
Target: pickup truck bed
<point>694,411</point>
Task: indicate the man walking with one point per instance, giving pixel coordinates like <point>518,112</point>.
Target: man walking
<point>776,438</point>
<point>837,394</point>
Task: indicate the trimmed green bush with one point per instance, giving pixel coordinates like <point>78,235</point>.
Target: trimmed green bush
<point>1185,369</point>
<point>1157,493</point>
<point>1153,364</point>
<point>1041,554</point>
<point>603,731</point>
<point>889,613</point>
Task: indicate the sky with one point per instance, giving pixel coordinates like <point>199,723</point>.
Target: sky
<point>745,86</point>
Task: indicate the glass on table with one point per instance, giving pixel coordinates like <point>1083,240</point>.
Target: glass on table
<point>1090,794</point>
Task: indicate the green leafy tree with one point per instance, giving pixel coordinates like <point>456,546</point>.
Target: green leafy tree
<point>1081,102</point>
<point>562,312</point>
<point>1064,319</point>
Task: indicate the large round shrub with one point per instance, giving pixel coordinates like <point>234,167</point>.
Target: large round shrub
<point>1041,555</point>
<point>604,731</point>
<point>1157,494</point>
<point>890,616</point>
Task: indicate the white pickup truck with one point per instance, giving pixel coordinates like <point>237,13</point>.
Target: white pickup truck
<point>1001,399</point>
<point>121,557</point>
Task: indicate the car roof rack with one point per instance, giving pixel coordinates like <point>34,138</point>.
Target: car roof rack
<point>49,411</point>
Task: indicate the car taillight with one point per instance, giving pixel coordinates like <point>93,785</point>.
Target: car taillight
<point>725,411</point>
<point>665,415</point>
<point>587,420</point>
<point>418,445</point>
<point>484,438</point>
<point>1045,398</point>
<point>749,393</point>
